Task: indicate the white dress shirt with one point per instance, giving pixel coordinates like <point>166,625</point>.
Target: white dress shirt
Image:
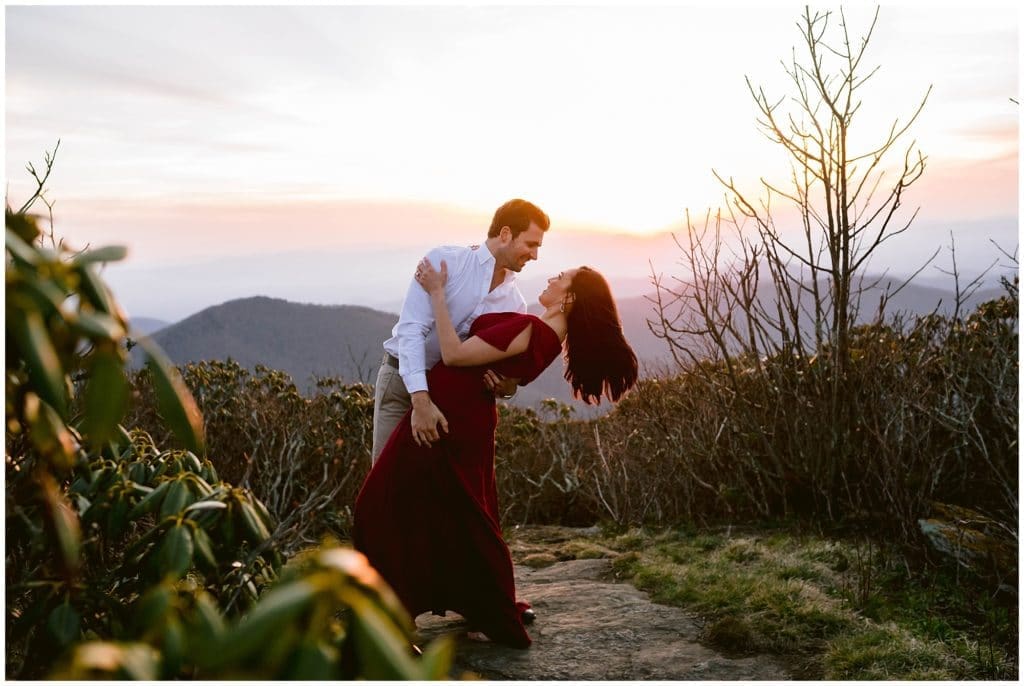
<point>470,269</point>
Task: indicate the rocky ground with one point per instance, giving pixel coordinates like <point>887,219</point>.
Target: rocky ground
<point>590,626</point>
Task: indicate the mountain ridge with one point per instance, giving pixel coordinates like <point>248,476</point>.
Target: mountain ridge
<point>306,340</point>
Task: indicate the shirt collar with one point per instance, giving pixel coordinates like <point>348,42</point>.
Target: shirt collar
<point>483,253</point>
<point>485,256</point>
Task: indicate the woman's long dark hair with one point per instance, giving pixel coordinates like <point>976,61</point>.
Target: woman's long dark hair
<point>598,359</point>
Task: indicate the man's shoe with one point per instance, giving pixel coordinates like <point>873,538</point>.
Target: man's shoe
<point>528,616</point>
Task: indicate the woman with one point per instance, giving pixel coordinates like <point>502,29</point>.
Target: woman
<point>427,516</point>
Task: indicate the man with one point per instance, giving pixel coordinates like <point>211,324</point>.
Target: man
<point>481,279</point>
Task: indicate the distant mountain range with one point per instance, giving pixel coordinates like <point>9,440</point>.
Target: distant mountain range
<point>146,325</point>
<point>344,340</point>
<point>299,339</point>
<point>336,340</point>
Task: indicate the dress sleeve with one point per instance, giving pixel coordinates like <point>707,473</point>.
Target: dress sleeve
<point>502,333</point>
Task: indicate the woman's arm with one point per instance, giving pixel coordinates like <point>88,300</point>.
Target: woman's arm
<point>455,353</point>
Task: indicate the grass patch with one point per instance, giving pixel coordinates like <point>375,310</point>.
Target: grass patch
<point>584,550</point>
<point>634,539</point>
<point>889,652</point>
<point>544,546</point>
<point>625,566</point>
<point>538,560</point>
<point>840,609</point>
<point>731,634</point>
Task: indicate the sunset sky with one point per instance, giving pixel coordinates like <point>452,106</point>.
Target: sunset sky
<point>312,153</point>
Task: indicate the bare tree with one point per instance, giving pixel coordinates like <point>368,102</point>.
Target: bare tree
<point>39,194</point>
<point>363,371</point>
<point>758,286</point>
<point>847,202</point>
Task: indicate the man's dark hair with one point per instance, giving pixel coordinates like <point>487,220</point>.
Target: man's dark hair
<point>517,215</point>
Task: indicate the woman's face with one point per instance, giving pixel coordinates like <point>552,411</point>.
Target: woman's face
<point>558,286</point>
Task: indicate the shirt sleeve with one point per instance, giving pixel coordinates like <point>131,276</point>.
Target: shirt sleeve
<point>415,323</point>
<point>502,334</point>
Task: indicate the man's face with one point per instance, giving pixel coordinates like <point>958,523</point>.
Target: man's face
<point>523,248</point>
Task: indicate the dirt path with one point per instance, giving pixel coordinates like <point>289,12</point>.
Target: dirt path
<point>590,627</point>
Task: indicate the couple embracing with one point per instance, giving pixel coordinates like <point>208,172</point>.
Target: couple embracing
<point>427,516</point>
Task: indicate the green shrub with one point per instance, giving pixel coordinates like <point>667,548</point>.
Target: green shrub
<point>304,457</point>
<point>125,560</point>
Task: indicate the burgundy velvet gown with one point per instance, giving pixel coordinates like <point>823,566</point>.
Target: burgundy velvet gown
<point>427,517</point>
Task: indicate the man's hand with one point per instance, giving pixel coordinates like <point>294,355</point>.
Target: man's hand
<point>500,385</point>
<point>426,419</point>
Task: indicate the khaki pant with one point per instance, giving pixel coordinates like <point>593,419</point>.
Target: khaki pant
<point>390,403</point>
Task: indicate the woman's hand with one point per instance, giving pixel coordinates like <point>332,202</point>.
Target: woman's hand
<point>433,281</point>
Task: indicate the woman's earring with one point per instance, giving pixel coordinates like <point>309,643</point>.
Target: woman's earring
<point>561,308</point>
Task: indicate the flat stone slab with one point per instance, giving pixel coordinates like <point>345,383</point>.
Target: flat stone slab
<point>588,628</point>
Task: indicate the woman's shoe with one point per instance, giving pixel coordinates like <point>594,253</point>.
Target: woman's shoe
<point>528,616</point>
